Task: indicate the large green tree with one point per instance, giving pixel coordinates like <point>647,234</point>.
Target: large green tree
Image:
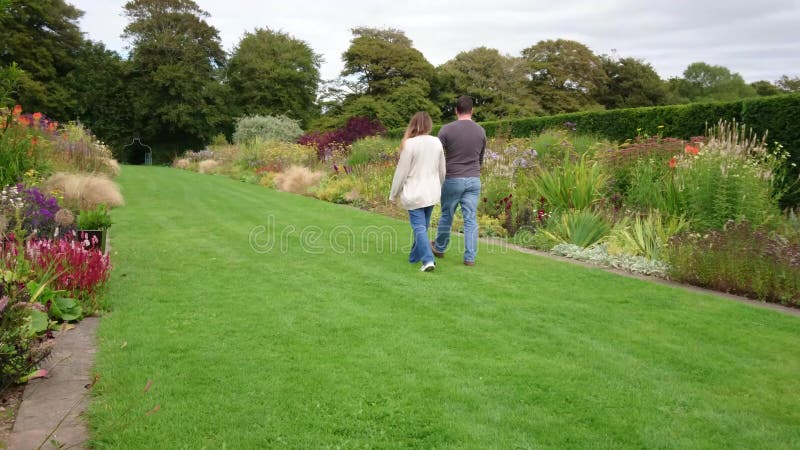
<point>42,38</point>
<point>565,76</point>
<point>272,73</point>
<point>97,84</point>
<point>393,78</point>
<point>764,88</point>
<point>496,82</point>
<point>703,82</point>
<point>789,84</point>
<point>174,74</point>
<point>384,59</point>
<point>632,83</point>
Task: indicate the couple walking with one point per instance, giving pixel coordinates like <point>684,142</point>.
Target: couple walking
<point>446,168</point>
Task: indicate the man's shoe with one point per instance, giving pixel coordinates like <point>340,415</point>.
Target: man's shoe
<point>428,267</point>
<point>435,253</point>
<point>469,263</point>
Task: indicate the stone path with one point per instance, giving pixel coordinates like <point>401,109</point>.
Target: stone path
<point>51,407</point>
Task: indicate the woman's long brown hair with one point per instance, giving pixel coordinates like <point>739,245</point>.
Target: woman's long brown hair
<point>421,123</point>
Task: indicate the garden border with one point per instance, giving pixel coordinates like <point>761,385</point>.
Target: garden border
<point>687,287</point>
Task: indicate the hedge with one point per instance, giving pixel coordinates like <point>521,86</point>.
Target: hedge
<point>778,116</point>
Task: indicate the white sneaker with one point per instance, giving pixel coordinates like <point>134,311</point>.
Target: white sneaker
<point>428,267</point>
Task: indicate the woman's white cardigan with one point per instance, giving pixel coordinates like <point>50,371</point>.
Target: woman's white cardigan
<point>420,173</point>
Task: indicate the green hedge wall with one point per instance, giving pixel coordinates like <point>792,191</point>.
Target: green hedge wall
<point>778,116</point>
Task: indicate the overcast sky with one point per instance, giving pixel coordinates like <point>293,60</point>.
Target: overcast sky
<point>757,39</point>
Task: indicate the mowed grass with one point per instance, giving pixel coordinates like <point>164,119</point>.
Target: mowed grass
<point>314,344</point>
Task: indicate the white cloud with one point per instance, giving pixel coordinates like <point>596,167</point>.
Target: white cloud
<point>756,39</point>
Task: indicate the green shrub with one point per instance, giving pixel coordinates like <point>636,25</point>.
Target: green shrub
<point>94,219</point>
<point>337,189</point>
<point>651,186</point>
<point>739,259</point>
<point>620,162</point>
<point>731,178</point>
<point>582,228</point>
<point>22,149</point>
<point>15,343</point>
<point>373,182</point>
<point>372,149</point>
<point>266,128</point>
<point>646,236</point>
<point>536,239</point>
<point>219,140</point>
<point>275,155</point>
<point>575,185</point>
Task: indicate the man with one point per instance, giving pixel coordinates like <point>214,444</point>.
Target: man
<point>464,143</point>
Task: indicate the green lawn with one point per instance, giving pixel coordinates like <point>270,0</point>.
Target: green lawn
<point>316,345</point>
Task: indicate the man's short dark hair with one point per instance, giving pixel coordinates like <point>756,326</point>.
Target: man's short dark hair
<point>464,104</point>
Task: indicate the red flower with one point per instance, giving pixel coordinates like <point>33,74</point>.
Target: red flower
<point>17,110</point>
<point>692,150</point>
<point>673,162</point>
<point>37,116</point>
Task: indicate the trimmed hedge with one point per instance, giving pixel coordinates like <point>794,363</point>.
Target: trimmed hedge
<point>779,116</point>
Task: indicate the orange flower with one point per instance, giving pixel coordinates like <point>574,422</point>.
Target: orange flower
<point>673,162</point>
<point>17,110</point>
<point>52,126</point>
<point>37,116</point>
<point>692,150</point>
<point>34,141</point>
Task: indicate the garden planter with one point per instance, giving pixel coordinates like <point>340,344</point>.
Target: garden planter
<point>92,239</point>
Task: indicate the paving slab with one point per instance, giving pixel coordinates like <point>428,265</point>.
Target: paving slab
<point>51,407</point>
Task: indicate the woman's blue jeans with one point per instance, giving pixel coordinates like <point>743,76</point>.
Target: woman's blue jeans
<point>420,221</point>
<point>464,192</point>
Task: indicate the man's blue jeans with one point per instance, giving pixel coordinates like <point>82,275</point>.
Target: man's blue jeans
<point>420,221</point>
<point>464,192</point>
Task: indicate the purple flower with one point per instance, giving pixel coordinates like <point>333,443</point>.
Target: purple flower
<point>39,211</point>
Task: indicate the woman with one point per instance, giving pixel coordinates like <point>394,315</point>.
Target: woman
<point>417,184</point>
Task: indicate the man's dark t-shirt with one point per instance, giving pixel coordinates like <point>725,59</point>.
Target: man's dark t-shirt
<point>464,142</point>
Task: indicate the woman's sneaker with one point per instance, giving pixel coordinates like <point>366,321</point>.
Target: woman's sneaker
<point>428,267</point>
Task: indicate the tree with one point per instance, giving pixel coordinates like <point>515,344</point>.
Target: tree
<point>41,37</point>
<point>174,76</point>
<point>384,60</point>
<point>393,79</point>
<point>764,88</point>
<point>787,84</point>
<point>97,85</point>
<point>564,75</point>
<point>272,73</point>
<point>631,83</point>
<point>496,82</point>
<point>704,82</point>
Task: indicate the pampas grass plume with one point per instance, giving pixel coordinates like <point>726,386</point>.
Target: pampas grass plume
<point>85,191</point>
<point>297,179</point>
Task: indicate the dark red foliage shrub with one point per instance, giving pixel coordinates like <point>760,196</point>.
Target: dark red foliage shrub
<point>329,141</point>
